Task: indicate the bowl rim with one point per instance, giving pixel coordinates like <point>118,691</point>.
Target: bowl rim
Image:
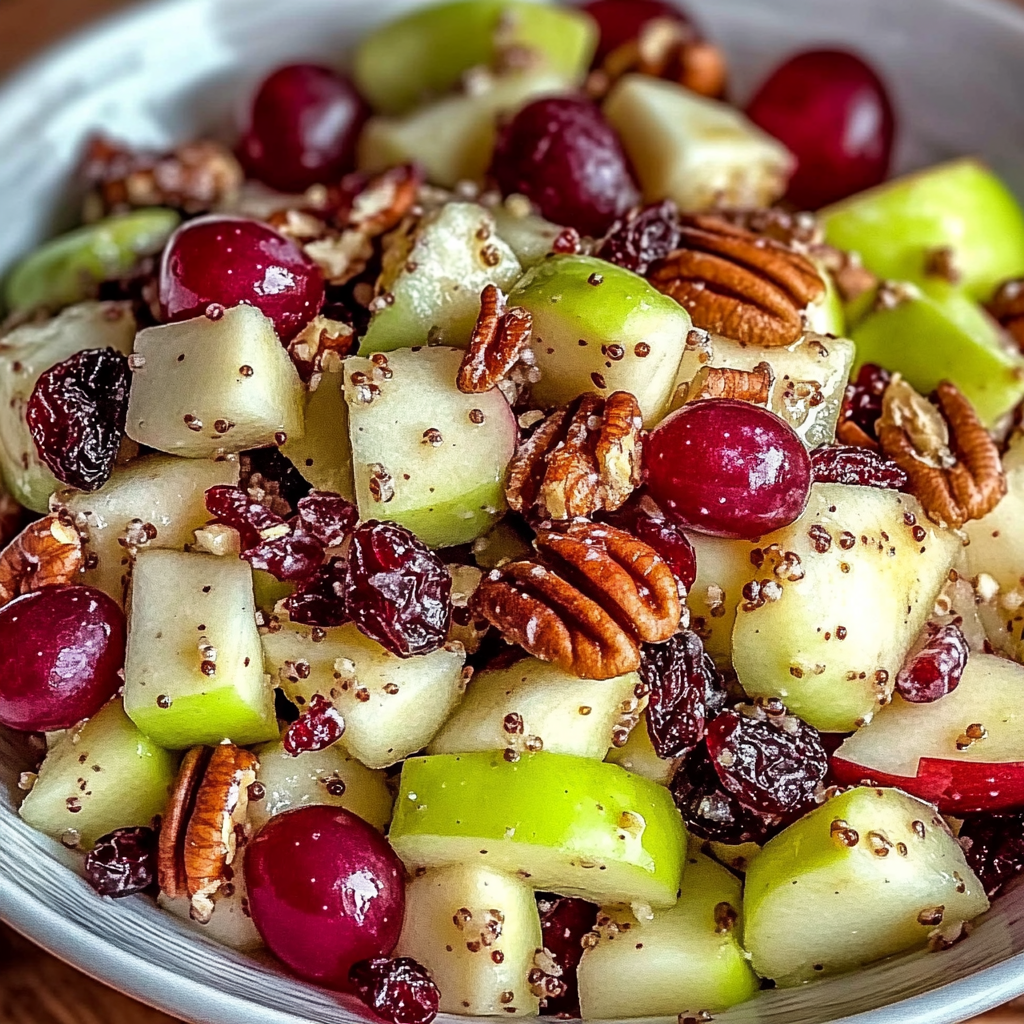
<point>161,988</point>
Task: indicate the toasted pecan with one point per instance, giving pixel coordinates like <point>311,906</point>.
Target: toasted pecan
<point>46,553</point>
<point>725,382</point>
<point>500,340</point>
<point>738,284</point>
<point>1007,306</point>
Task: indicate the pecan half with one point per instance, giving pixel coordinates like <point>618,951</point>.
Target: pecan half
<point>500,340</point>
<point>594,595</point>
<point>1007,306</point>
<point>950,459</point>
<point>724,382</point>
<point>199,838</point>
<point>738,284</point>
<point>46,553</point>
<point>579,460</point>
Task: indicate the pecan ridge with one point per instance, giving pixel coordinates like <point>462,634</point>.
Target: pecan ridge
<point>725,382</point>
<point>46,553</point>
<point>500,339</point>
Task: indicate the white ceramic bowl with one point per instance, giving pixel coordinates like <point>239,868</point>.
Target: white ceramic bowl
<point>174,69</point>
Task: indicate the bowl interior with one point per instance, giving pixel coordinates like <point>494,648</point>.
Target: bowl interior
<point>178,68</point>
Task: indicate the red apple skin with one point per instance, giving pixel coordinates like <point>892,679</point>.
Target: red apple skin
<point>955,787</point>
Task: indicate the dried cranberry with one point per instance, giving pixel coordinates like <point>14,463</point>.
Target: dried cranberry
<point>319,600</point>
<point>862,403</point>
<point>994,847</point>
<point>564,921</point>
<point>644,235</point>
<point>858,467</point>
<point>235,508</point>
<point>319,725</point>
<point>77,413</point>
<point>399,990</point>
<point>293,556</point>
<point>123,862</point>
<point>773,765</point>
<point>563,155</point>
<point>274,473</point>
<point>397,591</point>
<point>328,517</point>
<point>935,670</point>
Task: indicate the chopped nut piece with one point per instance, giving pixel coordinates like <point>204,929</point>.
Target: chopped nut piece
<point>724,382</point>
<point>46,553</point>
<point>500,340</point>
<point>1007,306</point>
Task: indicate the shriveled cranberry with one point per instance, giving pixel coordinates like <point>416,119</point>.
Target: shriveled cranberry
<point>397,591</point>
<point>319,726</point>
<point>667,539</point>
<point>564,920</point>
<point>328,517</point>
<point>236,508</point>
<point>325,891</point>
<point>834,113</point>
<point>76,415</point>
<point>293,556</point>
<point>621,21</point>
<point>935,669</point>
<point>303,128</point>
<point>644,235</point>
<point>61,653</point>
<point>270,471</point>
<point>859,467</point>
<point>862,403</point>
<point>227,261</point>
<point>727,468</point>
<point>994,847</point>
<point>400,991</point>
<point>123,862</point>
<point>320,599</point>
<point>563,155</point>
<point>772,764</point>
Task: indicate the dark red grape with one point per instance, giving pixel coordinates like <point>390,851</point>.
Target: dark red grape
<point>318,727</point>
<point>227,261</point>
<point>936,668</point>
<point>621,21</point>
<point>325,891</point>
<point>61,655</point>
<point>834,113</point>
<point>563,155</point>
<point>400,991</point>
<point>303,128</point>
<point>858,467</point>
<point>994,847</point>
<point>123,862</point>
<point>76,415</point>
<point>564,921</point>
<point>642,236</point>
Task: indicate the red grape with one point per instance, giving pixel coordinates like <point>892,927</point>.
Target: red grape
<point>620,21</point>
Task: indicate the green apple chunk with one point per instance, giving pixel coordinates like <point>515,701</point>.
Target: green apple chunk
<point>845,592</point>
<point>478,933</point>
<point>323,454</point>
<point>426,455</point>
<point>687,958</point>
<point>205,387</point>
<point>584,717</point>
<point>961,206</point>
<point>598,327</point>
<point>70,268</point>
<point>810,378</point>
<point>25,354</point>
<point>696,151</point>
<point>637,755</point>
<point>570,825</point>
<point>529,235</point>
<point>99,776</point>
<point>427,52</point>
<point>194,667</point>
<point>392,706</point>
<point>157,491</point>
<point>434,271</point>
<point>453,138</point>
<point>328,776</point>
<point>870,873</point>
<point>944,335</point>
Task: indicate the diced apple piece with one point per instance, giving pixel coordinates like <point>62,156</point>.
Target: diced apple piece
<point>434,272</point>
<point>97,777</point>
<point>696,151</point>
<point>465,629</point>
<point>598,327</point>
<point>961,206</point>
<point>392,706</point>
<point>426,52</point>
<point>569,825</point>
<point>426,455</point>
<point>810,378</point>
<point>848,590</point>
<point>870,873</point>
<point>453,138</point>
<point>944,335</point>
<point>194,668</point>
<point>638,756</point>
<point>323,454</point>
<point>71,267</point>
<point>25,354</point>
<point>477,932</point>
<point>155,491</point>
<point>926,750</point>
<point>206,387</point>
<point>685,959</point>
<point>502,543</point>
<point>568,715</point>
<point>529,235</point>
<point>737,857</point>
<point>328,776</point>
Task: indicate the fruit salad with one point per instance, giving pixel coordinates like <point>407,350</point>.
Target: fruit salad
<point>517,532</point>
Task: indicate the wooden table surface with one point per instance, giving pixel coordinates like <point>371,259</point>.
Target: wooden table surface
<point>35,988</point>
